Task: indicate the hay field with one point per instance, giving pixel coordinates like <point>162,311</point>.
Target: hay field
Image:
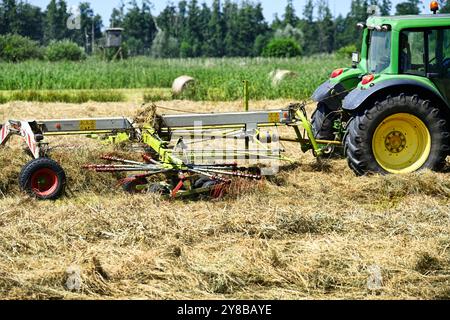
<point>313,232</point>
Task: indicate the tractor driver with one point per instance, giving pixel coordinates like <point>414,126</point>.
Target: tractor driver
<point>405,53</point>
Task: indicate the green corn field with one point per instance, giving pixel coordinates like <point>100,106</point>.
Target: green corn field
<point>216,79</point>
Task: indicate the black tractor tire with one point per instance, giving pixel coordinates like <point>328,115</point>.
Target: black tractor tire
<point>361,128</point>
<point>43,179</point>
<point>322,122</point>
<point>131,185</point>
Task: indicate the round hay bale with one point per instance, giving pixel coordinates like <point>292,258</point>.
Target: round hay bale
<point>279,76</point>
<point>182,83</point>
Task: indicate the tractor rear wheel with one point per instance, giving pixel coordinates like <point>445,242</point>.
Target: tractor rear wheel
<point>397,135</point>
<point>43,179</point>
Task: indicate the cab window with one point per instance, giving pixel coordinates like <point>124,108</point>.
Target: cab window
<point>439,52</point>
<point>379,57</point>
<point>425,53</point>
<point>412,53</point>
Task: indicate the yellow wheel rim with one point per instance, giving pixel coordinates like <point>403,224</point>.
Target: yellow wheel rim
<point>401,143</point>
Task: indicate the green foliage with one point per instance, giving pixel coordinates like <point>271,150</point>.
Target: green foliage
<point>90,23</point>
<point>385,7</point>
<point>310,29</point>
<point>282,48</point>
<point>140,28</point>
<point>290,17</point>
<point>64,50</point>
<point>55,21</point>
<point>292,33</point>
<point>444,6</point>
<point>29,21</point>
<point>64,96</point>
<point>165,46</point>
<point>3,99</point>
<point>261,42</point>
<point>408,7</point>
<point>15,48</point>
<point>216,79</point>
<point>135,46</point>
<point>347,51</point>
<point>186,50</point>
<point>191,28</point>
<point>325,23</point>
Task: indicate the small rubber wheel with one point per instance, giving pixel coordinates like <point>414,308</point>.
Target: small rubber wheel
<point>132,186</point>
<point>43,179</point>
<point>210,184</point>
<point>200,182</point>
<point>158,189</point>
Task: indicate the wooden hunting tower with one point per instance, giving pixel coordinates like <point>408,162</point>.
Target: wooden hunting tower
<point>114,37</point>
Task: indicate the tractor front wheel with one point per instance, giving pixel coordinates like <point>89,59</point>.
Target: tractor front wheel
<point>397,135</point>
<point>43,179</point>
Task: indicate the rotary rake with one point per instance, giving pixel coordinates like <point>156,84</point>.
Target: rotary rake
<point>249,150</point>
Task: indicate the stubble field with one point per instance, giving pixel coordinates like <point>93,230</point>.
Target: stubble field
<point>315,231</point>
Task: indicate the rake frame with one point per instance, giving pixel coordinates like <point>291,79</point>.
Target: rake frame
<point>157,137</point>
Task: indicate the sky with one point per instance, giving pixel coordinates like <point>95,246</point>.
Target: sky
<point>104,8</point>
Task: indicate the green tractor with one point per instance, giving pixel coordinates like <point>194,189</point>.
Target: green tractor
<point>394,103</point>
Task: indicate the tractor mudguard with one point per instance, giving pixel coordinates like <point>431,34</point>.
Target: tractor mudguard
<point>358,97</point>
<point>330,94</point>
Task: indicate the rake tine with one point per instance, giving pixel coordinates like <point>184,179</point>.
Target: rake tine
<point>237,174</point>
<point>114,159</point>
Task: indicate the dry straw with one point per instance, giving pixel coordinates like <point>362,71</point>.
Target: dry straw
<point>316,231</point>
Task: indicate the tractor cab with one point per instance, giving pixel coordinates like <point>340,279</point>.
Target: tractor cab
<point>407,46</point>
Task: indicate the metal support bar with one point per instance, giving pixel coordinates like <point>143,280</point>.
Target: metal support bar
<point>150,138</point>
<point>309,131</point>
<point>323,142</point>
<point>228,119</point>
<point>83,125</point>
<point>246,96</point>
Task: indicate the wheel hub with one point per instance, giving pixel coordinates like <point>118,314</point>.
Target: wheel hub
<point>44,181</point>
<point>395,142</point>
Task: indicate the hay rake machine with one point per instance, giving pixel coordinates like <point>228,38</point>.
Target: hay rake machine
<point>170,144</point>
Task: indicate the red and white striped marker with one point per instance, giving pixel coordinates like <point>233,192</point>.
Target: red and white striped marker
<point>3,134</point>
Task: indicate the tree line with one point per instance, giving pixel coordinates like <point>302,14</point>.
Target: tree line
<point>192,29</point>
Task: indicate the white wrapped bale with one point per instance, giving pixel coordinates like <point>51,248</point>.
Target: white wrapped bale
<point>181,84</point>
<point>279,76</point>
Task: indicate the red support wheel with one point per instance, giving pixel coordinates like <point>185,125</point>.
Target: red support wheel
<point>43,179</point>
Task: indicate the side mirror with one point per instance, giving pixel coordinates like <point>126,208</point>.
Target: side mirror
<point>356,58</point>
